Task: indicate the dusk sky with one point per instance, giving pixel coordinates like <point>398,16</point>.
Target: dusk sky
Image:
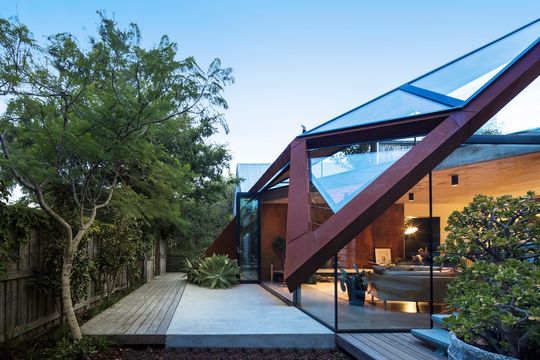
<point>295,62</point>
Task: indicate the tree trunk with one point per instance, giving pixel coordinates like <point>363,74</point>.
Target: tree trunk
<point>67,265</point>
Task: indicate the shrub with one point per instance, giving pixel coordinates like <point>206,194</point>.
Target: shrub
<point>55,344</point>
<point>191,268</point>
<point>498,296</point>
<point>216,271</point>
<point>121,246</point>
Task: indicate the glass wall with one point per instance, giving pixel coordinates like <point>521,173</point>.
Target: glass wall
<point>330,294</point>
<point>385,270</point>
<point>248,237</point>
<point>389,276</point>
<point>317,294</point>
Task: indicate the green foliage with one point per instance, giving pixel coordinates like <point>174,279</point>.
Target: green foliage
<point>47,279</point>
<point>494,229</point>
<point>358,280</point>
<point>65,349</point>
<point>498,296</point>
<point>108,122</point>
<point>190,268</point>
<point>120,245</point>
<point>55,344</point>
<point>16,226</point>
<point>216,271</point>
<point>499,307</point>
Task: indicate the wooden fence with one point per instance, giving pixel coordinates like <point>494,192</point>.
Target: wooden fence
<point>26,309</point>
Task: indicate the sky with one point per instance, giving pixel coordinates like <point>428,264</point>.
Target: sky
<point>295,62</point>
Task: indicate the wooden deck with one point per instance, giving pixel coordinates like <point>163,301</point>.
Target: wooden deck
<point>144,315</point>
<point>385,346</point>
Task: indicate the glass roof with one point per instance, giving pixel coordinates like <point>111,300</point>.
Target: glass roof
<point>394,105</point>
<point>521,114</point>
<point>445,88</point>
<point>342,175</point>
<point>463,77</point>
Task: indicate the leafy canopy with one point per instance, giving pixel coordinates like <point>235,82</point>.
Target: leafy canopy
<point>498,296</point>
<point>88,120</point>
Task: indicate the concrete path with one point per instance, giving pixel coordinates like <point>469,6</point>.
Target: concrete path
<point>244,316</point>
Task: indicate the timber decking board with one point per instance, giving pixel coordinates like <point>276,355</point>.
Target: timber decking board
<point>405,346</point>
<point>165,301</point>
<point>164,324</point>
<point>386,346</point>
<point>146,312</point>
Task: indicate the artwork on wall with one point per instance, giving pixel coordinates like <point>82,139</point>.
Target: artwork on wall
<point>383,256</point>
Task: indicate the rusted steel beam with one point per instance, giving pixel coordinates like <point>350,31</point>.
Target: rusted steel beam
<point>225,243</point>
<point>311,249</point>
<point>274,169</point>
<point>298,197</point>
<point>387,130</point>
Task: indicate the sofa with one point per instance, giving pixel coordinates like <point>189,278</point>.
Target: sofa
<point>408,283</point>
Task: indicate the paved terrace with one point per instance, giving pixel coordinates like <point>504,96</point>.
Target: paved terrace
<point>168,311</point>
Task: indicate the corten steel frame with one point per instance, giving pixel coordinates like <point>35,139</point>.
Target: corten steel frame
<point>444,131</point>
<point>308,250</point>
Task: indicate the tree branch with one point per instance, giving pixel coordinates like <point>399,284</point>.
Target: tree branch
<point>19,178</point>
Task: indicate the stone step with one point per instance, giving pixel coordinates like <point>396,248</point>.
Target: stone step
<point>439,319</point>
<point>437,338</point>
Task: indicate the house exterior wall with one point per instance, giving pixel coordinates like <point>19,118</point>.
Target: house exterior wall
<point>273,224</point>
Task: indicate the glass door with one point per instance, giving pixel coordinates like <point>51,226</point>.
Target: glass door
<point>248,241</point>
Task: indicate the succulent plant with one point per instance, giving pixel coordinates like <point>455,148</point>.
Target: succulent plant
<point>216,271</point>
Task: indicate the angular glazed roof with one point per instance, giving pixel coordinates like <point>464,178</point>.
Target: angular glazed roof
<point>447,88</point>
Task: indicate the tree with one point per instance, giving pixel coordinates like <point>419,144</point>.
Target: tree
<point>497,296</point>
<point>84,122</point>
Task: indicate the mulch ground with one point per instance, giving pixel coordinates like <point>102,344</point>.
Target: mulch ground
<point>225,354</point>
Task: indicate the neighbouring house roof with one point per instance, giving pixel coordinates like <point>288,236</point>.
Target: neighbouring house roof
<point>248,175</point>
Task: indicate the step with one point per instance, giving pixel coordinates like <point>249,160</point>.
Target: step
<point>438,338</point>
<point>439,319</point>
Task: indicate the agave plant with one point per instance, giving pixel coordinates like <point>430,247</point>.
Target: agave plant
<point>191,268</point>
<point>217,271</point>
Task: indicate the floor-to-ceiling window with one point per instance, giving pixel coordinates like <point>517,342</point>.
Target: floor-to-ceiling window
<point>390,277</point>
<point>248,241</point>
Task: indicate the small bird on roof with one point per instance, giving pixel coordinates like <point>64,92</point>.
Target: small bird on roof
<point>303,129</point>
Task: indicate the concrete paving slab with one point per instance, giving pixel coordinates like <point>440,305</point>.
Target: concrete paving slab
<point>244,316</point>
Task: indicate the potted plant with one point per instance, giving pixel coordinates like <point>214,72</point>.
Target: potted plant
<point>355,285</point>
<point>279,246</point>
<point>496,245</point>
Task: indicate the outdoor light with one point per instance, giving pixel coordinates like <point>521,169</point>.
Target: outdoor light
<point>411,196</point>
<point>455,180</point>
<point>411,230</point>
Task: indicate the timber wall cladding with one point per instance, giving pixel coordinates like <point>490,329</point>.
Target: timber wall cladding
<point>385,232</point>
<point>26,309</point>
<point>273,224</point>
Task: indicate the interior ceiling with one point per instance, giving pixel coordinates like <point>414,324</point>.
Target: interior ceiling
<point>514,175</point>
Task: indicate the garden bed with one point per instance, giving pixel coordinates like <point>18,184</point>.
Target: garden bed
<point>225,354</point>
